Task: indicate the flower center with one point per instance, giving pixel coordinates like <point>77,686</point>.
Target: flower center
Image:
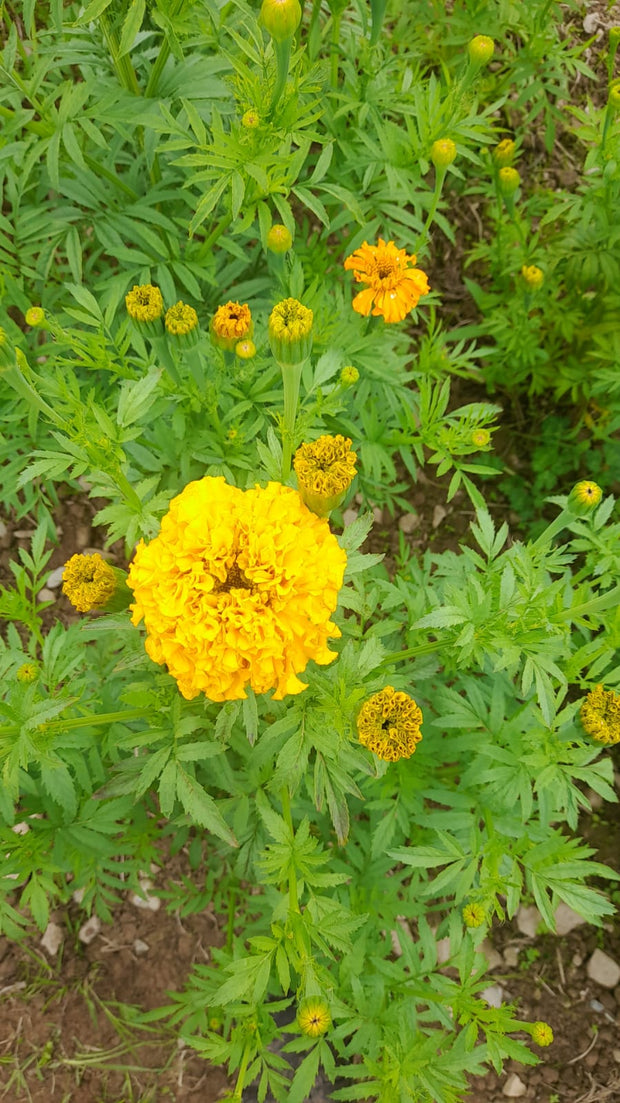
<point>235,580</point>
<point>384,270</point>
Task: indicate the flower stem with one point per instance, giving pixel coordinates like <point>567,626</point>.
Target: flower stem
<point>283,57</point>
<point>293,901</point>
<point>291,376</point>
<point>243,1068</point>
<point>410,652</point>
<point>82,721</point>
<point>440,175</point>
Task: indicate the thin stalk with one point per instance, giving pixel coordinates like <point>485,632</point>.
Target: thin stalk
<point>243,1068</point>
<point>410,652</point>
<point>124,69</point>
<point>216,233</point>
<point>163,55</point>
<point>336,20</point>
<point>440,175</point>
<point>282,51</point>
<point>291,377</point>
<point>293,901</point>
<point>82,721</point>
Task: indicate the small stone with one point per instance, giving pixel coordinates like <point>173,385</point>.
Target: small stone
<point>566,919</point>
<point>3,529</point>
<point>146,901</point>
<point>596,1005</point>
<point>140,947</point>
<point>408,522</point>
<point>349,516</point>
<point>21,828</point>
<point>55,577</point>
<point>528,920</point>
<point>78,895</point>
<point>577,960</point>
<point>493,958</point>
<point>493,995</point>
<point>46,595</point>
<point>616,1055</point>
<point>53,938</point>
<point>438,515</point>
<point>82,536</point>
<point>443,950</point>
<point>590,22</point>
<point>514,1087</point>
<point>377,512</point>
<point>591,1060</point>
<point>511,957</point>
<point>24,534</point>
<point>89,930</point>
<point>603,970</point>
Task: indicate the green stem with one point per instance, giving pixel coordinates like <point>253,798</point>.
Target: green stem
<point>293,900</point>
<point>82,721</point>
<point>282,51</point>
<point>410,652</point>
<point>124,69</point>
<point>230,923</point>
<point>440,175</point>
<point>216,233</point>
<point>336,20</point>
<point>553,529</point>
<point>291,377</point>
<point>243,1068</point>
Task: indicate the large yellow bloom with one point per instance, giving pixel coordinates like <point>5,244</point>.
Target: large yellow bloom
<point>393,287</point>
<point>237,590</point>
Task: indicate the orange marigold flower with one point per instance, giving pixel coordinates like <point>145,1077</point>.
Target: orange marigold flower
<point>237,590</point>
<point>325,470</point>
<point>230,324</point>
<point>393,287</point>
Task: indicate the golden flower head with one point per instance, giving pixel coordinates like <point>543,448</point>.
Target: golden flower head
<point>504,153</point>
<point>542,1034</point>
<point>509,181</point>
<point>480,437</point>
<point>35,316</point>
<point>325,470</point>
<point>88,581</point>
<point>145,307</point>
<point>532,276</point>
<point>313,1016</point>
<point>181,323</point>
<point>389,724</point>
<point>393,287</point>
<point>279,239</point>
<point>290,332</point>
<point>481,49</point>
<point>237,590</point>
<point>280,18</point>
<point>251,119</point>
<point>600,715</point>
<point>27,673</point>
<point>443,153</point>
<point>245,350</point>
<point>584,497</point>
<point>474,915</point>
<point>230,324</point>
<point>349,375</point>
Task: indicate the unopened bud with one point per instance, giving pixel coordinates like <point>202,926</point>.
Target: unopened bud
<point>614,96</point>
<point>504,152</point>
<point>251,119</point>
<point>281,18</point>
<point>480,438</point>
<point>584,497</point>
<point>279,239</point>
<point>532,276</point>
<point>35,316</point>
<point>481,49</point>
<point>349,375</point>
<point>509,181</point>
<point>443,152</point>
<point>246,349</point>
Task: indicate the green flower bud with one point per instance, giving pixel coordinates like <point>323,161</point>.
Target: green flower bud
<point>584,497</point>
<point>443,152</point>
<point>481,49</point>
<point>281,18</point>
<point>504,153</point>
<point>290,332</point>
<point>279,239</point>
<point>509,181</point>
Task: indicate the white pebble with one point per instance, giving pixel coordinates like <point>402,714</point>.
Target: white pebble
<point>53,939</point>
<point>89,930</point>
<point>514,1087</point>
<point>603,970</point>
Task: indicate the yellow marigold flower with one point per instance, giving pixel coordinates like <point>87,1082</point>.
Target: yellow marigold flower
<point>504,152</point>
<point>325,470</point>
<point>145,307</point>
<point>35,316</point>
<point>280,18</point>
<point>480,437</point>
<point>584,497</point>
<point>349,375</point>
<point>393,287</point>
<point>279,239</point>
<point>533,276</point>
<point>27,673</point>
<point>245,350</point>
<point>600,715</point>
<point>230,324</point>
<point>542,1034</point>
<point>237,590</point>
<point>509,181</point>
<point>290,332</point>
<point>250,119</point>
<point>181,320</point>
<point>481,49</point>
<point>443,152</point>
<point>473,915</point>
<point>88,581</point>
<point>389,724</point>
<point>313,1016</point>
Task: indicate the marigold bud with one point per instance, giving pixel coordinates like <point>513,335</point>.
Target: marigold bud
<point>27,673</point>
<point>230,324</point>
<point>281,18</point>
<point>251,119</point>
<point>388,724</point>
<point>443,152</point>
<point>480,438</point>
<point>509,181</point>
<point>35,316</point>
<point>542,1034</point>
<point>89,582</point>
<point>181,323</point>
<point>349,375</point>
<point>533,276</point>
<point>481,49</point>
<point>614,36</point>
<point>279,239</point>
<point>313,1016</point>
<point>504,152</point>
<point>473,915</point>
<point>145,307</point>
<point>600,715</point>
<point>614,97</point>
<point>325,470</point>
<point>584,497</point>
<point>245,350</point>
<point>290,332</point>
